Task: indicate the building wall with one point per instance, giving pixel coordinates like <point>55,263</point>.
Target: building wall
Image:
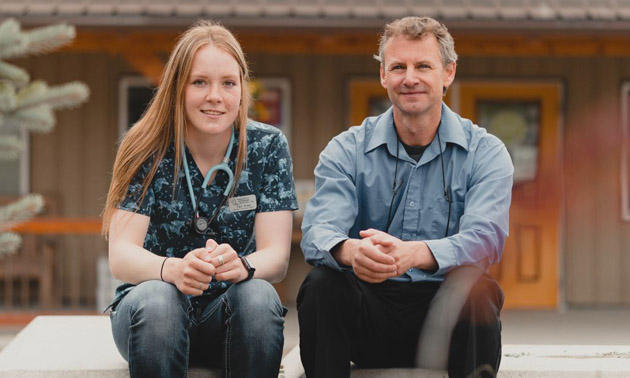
<point>74,162</point>
<point>72,165</point>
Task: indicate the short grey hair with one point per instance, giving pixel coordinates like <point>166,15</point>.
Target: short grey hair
<point>417,28</point>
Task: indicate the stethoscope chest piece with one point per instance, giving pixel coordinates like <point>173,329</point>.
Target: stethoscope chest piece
<point>201,224</point>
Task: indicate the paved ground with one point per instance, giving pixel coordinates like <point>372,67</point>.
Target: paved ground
<point>576,326</point>
<point>587,327</point>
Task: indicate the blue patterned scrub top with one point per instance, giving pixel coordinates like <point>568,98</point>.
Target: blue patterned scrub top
<point>268,175</point>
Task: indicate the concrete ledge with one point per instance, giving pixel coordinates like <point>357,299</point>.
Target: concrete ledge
<point>82,346</point>
<point>522,361</point>
<point>69,347</point>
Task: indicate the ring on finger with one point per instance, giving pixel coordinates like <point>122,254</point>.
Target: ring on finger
<point>201,286</point>
<point>220,258</point>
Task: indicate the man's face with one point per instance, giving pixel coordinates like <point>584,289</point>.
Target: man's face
<point>413,74</point>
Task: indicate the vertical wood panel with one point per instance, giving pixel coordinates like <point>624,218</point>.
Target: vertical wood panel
<point>606,135</point>
<point>94,149</point>
<point>44,163</point>
<point>326,96</point>
<point>580,191</point>
<point>624,75</point>
<point>304,153</point>
<point>70,179</point>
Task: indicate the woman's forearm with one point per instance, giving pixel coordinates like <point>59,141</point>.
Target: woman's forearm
<point>271,263</point>
<point>133,264</point>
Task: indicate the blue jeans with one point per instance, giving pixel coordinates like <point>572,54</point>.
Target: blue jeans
<point>160,331</point>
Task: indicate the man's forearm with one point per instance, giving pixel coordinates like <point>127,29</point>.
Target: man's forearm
<point>344,251</point>
<point>424,257</point>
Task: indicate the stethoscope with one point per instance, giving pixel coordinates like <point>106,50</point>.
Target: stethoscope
<point>202,224</point>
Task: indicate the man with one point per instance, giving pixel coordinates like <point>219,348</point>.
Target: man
<point>400,202</point>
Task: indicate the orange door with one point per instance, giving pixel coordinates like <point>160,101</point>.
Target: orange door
<point>526,116</point>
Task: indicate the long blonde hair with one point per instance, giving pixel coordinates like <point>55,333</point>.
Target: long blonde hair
<point>164,121</point>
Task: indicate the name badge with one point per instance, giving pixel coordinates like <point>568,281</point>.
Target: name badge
<point>242,203</point>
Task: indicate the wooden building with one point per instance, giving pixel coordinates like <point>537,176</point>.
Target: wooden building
<point>552,78</point>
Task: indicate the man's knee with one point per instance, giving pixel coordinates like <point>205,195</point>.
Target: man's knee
<point>322,282</point>
<point>484,302</point>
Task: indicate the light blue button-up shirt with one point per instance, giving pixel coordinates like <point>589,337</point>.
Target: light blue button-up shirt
<point>354,178</point>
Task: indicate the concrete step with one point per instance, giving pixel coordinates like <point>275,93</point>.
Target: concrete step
<point>519,361</point>
<point>69,347</point>
<point>82,346</point>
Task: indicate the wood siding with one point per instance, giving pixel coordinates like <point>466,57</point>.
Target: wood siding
<point>74,162</point>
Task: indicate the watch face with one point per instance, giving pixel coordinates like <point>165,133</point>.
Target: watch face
<point>248,265</point>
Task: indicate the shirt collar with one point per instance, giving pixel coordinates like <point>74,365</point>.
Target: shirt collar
<point>451,131</point>
<point>383,133</point>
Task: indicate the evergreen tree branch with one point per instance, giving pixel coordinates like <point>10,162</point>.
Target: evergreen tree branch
<point>40,41</point>
<point>10,148</point>
<point>9,243</point>
<point>20,211</point>
<point>57,97</point>
<point>11,38</point>
<point>8,99</point>
<point>39,119</point>
<point>18,76</point>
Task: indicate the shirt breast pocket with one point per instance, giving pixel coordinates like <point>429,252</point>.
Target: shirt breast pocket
<point>440,217</point>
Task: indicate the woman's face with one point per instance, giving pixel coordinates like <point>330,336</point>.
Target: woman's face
<point>213,92</point>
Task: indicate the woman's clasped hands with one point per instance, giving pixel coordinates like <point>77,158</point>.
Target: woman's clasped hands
<point>226,261</point>
<point>200,266</point>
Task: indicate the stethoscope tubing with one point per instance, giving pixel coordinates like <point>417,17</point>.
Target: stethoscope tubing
<point>223,166</point>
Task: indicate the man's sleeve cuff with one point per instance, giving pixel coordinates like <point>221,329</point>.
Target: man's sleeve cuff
<point>444,255</point>
<point>329,260</point>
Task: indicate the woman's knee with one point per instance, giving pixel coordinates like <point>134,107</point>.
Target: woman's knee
<point>254,298</point>
<point>156,301</point>
<point>152,313</point>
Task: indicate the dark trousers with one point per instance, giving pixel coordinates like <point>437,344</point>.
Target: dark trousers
<point>343,319</point>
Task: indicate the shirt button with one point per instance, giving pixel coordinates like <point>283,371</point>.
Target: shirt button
<point>412,204</point>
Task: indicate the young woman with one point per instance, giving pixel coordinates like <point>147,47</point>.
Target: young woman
<point>193,182</point>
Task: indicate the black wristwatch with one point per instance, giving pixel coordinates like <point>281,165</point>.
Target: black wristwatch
<point>249,267</point>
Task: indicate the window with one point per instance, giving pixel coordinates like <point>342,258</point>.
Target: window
<point>134,94</point>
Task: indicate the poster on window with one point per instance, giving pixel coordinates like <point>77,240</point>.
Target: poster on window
<point>272,103</point>
<point>517,124</point>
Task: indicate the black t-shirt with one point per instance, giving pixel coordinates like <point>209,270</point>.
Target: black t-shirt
<point>415,152</point>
